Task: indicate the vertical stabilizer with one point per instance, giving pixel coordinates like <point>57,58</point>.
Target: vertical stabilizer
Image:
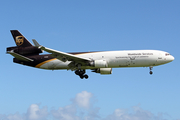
<point>19,39</point>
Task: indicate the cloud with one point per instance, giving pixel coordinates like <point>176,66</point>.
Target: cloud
<point>137,114</point>
<point>35,113</point>
<point>83,99</point>
<point>120,114</point>
<point>15,116</point>
<point>82,108</point>
<point>65,113</point>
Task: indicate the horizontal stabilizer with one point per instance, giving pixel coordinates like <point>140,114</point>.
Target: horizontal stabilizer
<point>20,57</point>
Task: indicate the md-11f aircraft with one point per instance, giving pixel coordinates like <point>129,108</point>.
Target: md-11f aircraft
<point>99,62</point>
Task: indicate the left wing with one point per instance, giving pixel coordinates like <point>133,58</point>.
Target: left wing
<point>63,56</point>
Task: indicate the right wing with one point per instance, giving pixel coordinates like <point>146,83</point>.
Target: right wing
<point>63,56</point>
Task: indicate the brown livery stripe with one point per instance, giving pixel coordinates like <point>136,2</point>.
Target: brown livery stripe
<point>38,65</point>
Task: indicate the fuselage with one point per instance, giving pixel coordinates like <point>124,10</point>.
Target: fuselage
<point>99,62</point>
<point>114,59</point>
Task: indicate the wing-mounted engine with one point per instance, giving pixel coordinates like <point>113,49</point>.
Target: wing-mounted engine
<point>103,71</point>
<point>99,63</point>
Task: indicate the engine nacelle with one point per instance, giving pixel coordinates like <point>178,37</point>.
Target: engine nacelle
<point>104,71</point>
<point>99,63</point>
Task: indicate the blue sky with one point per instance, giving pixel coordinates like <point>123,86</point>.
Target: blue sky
<point>73,26</point>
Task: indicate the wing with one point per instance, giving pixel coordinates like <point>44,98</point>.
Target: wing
<point>63,56</point>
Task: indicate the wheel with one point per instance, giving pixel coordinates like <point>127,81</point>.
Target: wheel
<point>86,76</point>
<point>150,72</point>
<point>81,76</point>
<point>77,72</point>
<point>81,72</point>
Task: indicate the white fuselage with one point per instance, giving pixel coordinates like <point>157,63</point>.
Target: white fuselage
<point>115,59</point>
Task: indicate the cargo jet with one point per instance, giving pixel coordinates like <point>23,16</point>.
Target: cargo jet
<point>99,62</point>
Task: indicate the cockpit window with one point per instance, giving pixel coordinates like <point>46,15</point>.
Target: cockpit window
<point>167,54</point>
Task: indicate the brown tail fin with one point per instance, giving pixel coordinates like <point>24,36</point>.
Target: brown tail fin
<point>19,39</point>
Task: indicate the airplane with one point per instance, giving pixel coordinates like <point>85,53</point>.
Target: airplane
<point>99,62</point>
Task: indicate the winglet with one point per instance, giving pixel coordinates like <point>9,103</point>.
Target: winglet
<point>36,43</point>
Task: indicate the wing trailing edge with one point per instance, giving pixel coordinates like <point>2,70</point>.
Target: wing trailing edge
<point>62,55</point>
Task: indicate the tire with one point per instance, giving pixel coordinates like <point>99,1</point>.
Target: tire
<point>77,72</point>
<point>81,76</point>
<point>86,76</point>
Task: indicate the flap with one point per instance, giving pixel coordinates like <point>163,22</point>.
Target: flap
<point>62,55</point>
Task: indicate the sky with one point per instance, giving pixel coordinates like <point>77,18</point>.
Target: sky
<point>28,93</point>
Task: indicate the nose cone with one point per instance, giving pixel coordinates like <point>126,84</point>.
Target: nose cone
<point>170,58</point>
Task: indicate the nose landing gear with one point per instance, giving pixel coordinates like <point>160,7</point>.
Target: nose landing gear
<point>81,74</point>
<point>151,70</point>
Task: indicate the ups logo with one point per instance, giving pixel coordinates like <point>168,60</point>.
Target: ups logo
<point>19,40</point>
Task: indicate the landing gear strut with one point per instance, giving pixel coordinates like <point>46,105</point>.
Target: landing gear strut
<point>151,70</point>
<point>81,74</point>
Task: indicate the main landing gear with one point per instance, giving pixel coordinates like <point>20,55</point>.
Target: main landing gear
<point>81,74</point>
<point>151,70</point>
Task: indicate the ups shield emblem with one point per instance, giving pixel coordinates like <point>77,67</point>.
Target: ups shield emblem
<point>19,40</point>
